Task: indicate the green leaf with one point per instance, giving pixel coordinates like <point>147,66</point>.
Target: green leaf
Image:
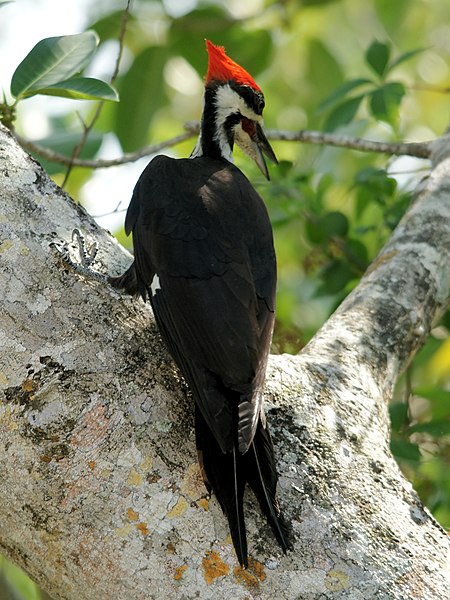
<point>342,91</point>
<point>334,224</point>
<point>377,56</point>
<point>405,450</point>
<point>398,412</point>
<point>142,93</point>
<point>79,88</point>
<point>356,253</point>
<point>435,394</point>
<point>343,113</point>
<point>404,57</point>
<point>436,428</point>
<point>377,180</point>
<point>385,101</point>
<point>319,58</point>
<point>335,276</point>
<point>53,60</point>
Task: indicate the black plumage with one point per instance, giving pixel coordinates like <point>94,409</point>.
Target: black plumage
<point>204,256</point>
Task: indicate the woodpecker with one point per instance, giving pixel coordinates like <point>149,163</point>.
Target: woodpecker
<point>204,257</point>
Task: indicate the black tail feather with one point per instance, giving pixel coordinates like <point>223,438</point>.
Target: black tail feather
<point>262,478</point>
<point>227,475</point>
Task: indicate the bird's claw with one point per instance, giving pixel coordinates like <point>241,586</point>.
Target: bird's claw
<point>86,256</point>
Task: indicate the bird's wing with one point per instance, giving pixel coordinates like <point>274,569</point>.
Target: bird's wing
<point>203,251</point>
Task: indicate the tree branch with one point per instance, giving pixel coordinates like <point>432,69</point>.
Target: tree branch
<point>420,150</point>
<point>101,496</point>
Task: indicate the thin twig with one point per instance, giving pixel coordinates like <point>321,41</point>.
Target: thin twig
<point>88,128</point>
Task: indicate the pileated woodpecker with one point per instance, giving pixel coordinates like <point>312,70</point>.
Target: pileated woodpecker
<point>204,256</point>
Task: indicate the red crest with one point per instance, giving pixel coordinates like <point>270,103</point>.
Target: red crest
<point>222,68</point>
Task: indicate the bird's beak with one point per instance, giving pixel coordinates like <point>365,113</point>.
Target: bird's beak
<point>251,139</point>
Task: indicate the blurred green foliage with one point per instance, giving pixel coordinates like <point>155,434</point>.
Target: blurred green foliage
<point>378,69</point>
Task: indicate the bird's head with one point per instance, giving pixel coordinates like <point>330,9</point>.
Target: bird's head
<point>233,109</point>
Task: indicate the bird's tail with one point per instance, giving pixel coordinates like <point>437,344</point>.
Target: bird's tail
<point>262,476</point>
<point>227,475</point>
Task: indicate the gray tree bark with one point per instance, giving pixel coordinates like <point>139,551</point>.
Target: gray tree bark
<point>100,494</point>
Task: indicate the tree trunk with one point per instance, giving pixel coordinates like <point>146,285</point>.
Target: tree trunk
<point>100,493</point>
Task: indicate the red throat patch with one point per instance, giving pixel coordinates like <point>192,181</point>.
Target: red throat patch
<point>222,68</point>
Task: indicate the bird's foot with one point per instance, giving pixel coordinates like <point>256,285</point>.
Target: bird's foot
<point>85,259</point>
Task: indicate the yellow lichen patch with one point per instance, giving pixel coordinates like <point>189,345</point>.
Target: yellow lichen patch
<point>179,572</point>
<point>142,527</point>
<point>29,386</point>
<point>146,464</point>
<point>204,503</point>
<point>24,251</point>
<point>6,245</point>
<point>252,576</point>
<point>125,530</point>
<point>193,484</point>
<point>179,508</point>
<point>134,478</point>
<point>132,515</point>
<point>3,379</point>
<point>213,567</point>
<point>91,464</point>
<point>335,580</point>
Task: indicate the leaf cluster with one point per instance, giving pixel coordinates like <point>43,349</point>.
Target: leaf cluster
<point>383,96</point>
<point>52,68</point>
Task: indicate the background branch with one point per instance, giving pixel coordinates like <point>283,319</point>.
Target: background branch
<point>420,150</point>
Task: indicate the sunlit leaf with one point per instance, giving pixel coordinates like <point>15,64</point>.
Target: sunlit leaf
<point>377,57</point>
<point>78,88</point>
<point>53,60</point>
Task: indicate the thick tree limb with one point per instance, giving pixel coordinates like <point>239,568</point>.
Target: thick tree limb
<point>101,497</point>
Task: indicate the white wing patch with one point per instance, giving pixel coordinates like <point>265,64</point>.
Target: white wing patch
<point>155,285</point>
